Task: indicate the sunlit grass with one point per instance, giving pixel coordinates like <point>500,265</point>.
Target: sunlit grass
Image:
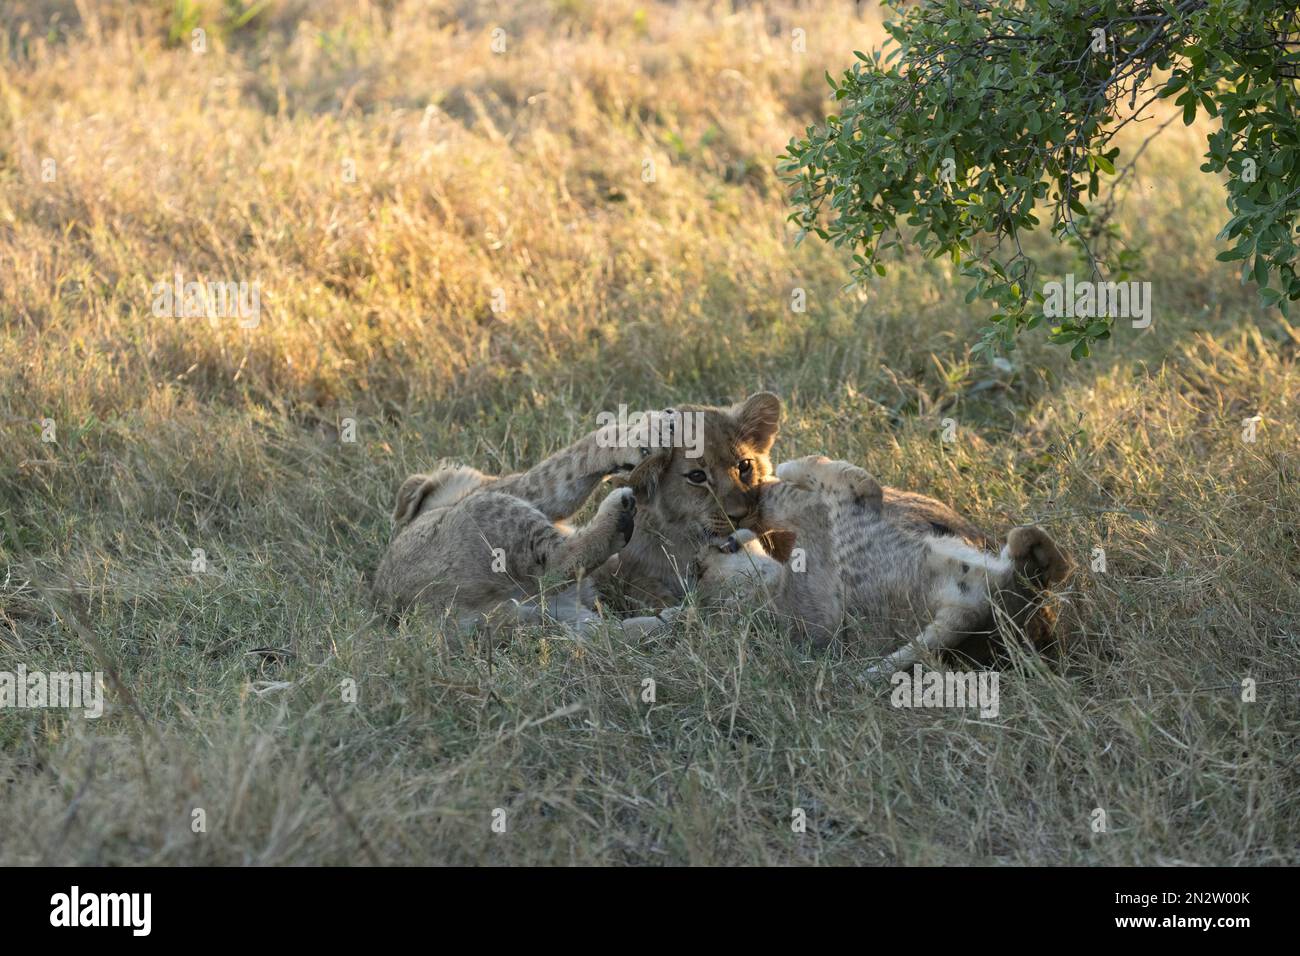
<point>521,177</point>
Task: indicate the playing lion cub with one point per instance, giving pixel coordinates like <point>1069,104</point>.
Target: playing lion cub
<point>905,564</point>
<point>893,576</point>
<point>494,550</point>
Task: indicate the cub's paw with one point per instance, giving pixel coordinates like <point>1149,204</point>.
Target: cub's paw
<point>642,449</point>
<point>802,471</point>
<point>619,507</point>
<point>717,559</point>
<point>877,676</point>
<point>714,549</point>
<point>660,435</point>
<point>861,486</point>
<point>734,542</point>
<point>1037,557</point>
<point>826,476</point>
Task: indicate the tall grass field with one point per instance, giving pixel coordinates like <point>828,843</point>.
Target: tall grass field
<point>471,227</point>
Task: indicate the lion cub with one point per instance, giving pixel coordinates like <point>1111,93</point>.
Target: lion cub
<point>691,495</point>
<point>492,548</point>
<point>884,561</point>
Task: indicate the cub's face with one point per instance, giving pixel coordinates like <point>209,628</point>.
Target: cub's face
<point>710,484</point>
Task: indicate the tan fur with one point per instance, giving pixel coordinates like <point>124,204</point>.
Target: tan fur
<point>884,556</point>
<point>676,515</point>
<point>492,549</point>
<point>861,552</point>
<point>902,562</point>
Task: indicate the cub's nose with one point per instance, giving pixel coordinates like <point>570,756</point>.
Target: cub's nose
<point>737,517</point>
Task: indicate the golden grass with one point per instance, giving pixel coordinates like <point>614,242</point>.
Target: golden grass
<point>522,173</point>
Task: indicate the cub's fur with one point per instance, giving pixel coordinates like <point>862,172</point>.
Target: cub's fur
<point>889,563</point>
<point>685,500</point>
<point>691,502</point>
<point>487,547</point>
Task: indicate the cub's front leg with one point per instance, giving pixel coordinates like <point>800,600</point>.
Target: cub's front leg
<point>560,485</point>
<point>806,596</point>
<point>833,479</point>
<point>735,569</point>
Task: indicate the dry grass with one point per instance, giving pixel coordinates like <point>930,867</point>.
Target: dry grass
<point>522,172</point>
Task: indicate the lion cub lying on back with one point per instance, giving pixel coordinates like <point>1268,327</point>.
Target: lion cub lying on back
<point>489,547</point>
<point>894,571</point>
<point>869,552</point>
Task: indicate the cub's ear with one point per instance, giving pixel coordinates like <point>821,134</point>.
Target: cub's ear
<point>759,417</point>
<point>779,544</point>
<point>409,498</point>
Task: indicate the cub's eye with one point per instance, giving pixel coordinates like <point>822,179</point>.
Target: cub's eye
<point>697,477</point>
<point>746,468</point>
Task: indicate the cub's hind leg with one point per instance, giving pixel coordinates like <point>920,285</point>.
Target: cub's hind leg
<point>552,559</point>
<point>949,627</point>
<point>590,546</point>
<point>1036,556</point>
<point>961,581</point>
<point>1039,565</point>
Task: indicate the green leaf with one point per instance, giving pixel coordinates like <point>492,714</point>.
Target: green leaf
<point>1261,271</point>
